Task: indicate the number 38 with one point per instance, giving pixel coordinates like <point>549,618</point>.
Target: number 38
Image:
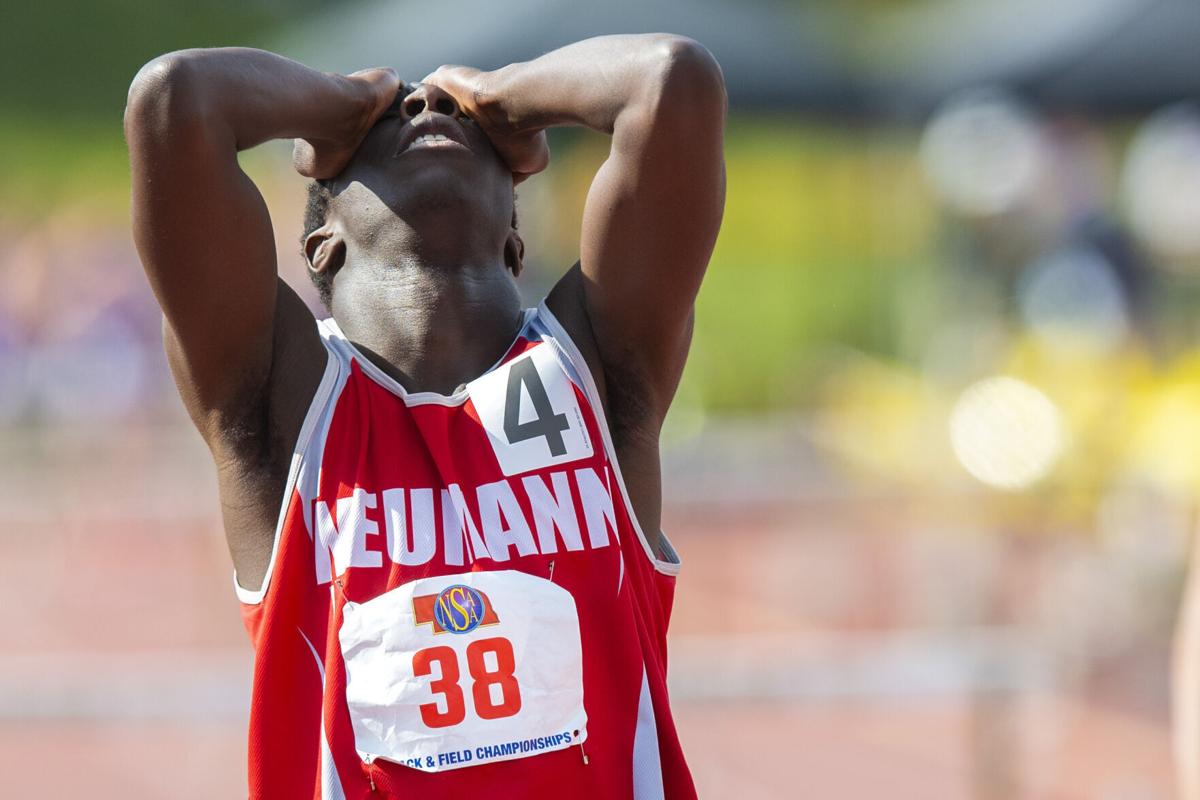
<point>481,687</point>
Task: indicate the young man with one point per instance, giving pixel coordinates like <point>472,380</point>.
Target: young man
<point>443,509</point>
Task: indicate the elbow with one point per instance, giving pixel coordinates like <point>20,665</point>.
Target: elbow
<point>690,77</point>
<point>165,93</point>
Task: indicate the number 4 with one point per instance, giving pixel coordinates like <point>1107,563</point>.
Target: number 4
<point>547,423</point>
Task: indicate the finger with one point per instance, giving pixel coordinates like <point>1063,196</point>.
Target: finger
<point>377,74</point>
<point>526,155</point>
<point>533,163</point>
<point>441,71</point>
<point>384,83</point>
<point>304,158</point>
<point>384,80</point>
<point>458,81</point>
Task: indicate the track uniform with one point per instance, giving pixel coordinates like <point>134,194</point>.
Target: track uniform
<point>460,602</point>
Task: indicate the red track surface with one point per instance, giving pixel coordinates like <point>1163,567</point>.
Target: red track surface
<point>125,665</point>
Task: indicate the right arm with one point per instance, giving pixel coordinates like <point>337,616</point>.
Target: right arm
<point>200,225</point>
<point>243,347</point>
<point>1185,680</point>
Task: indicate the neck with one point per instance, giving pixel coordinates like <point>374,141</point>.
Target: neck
<point>431,327</point>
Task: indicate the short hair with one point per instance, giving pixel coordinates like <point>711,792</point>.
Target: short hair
<point>316,213</point>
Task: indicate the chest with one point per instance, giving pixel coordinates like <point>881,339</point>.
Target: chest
<point>512,475</point>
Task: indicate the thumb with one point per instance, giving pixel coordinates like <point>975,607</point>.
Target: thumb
<point>383,83</point>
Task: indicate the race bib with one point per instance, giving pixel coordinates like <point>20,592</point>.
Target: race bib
<point>450,672</point>
<point>530,413</point>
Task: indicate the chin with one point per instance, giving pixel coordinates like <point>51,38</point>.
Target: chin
<point>442,195</point>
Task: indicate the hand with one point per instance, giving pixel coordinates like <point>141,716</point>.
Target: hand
<point>524,151</point>
<point>325,158</point>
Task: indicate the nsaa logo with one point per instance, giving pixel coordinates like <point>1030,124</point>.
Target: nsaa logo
<point>456,609</point>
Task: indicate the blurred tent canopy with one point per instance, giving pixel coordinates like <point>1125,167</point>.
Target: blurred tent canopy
<point>774,55</point>
<point>796,55</point>
<point>1107,56</point>
<point>1104,56</point>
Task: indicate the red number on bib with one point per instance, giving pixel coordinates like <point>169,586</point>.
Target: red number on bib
<point>446,685</point>
<point>510,692</point>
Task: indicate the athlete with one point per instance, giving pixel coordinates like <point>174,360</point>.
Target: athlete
<point>443,508</point>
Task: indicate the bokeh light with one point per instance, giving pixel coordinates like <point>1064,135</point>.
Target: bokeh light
<point>982,151</point>
<point>1162,182</point>
<point>1005,432</point>
<point>1071,298</point>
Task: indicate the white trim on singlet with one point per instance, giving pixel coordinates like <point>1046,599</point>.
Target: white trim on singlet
<point>568,349</point>
<point>316,412</point>
<point>349,349</point>
<point>341,351</point>
<point>331,784</point>
<point>647,757</point>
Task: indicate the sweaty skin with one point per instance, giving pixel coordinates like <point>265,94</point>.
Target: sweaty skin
<point>420,242</point>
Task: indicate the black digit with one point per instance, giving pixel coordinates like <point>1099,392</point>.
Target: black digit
<point>547,424</point>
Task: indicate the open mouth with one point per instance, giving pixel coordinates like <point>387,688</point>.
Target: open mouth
<point>433,141</point>
<point>432,132</point>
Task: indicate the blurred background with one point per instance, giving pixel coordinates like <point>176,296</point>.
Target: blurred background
<point>931,470</point>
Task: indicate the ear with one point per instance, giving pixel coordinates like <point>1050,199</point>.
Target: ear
<point>514,252</point>
<point>325,249</point>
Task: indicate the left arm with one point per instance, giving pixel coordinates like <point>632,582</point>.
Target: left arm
<point>654,207</point>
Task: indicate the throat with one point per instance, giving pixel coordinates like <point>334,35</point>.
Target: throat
<point>433,330</point>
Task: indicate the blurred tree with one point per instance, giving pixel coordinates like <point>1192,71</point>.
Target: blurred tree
<point>66,58</point>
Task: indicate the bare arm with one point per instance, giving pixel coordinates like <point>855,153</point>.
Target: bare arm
<point>655,206</point>
<point>200,225</point>
<point>1185,684</point>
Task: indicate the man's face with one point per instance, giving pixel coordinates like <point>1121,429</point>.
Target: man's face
<point>422,158</point>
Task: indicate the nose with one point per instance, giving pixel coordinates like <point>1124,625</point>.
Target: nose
<point>427,96</point>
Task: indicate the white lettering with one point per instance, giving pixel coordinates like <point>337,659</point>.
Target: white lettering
<point>424,527</point>
<point>598,510</point>
<point>410,522</point>
<point>460,536</point>
<point>346,533</point>
<point>351,551</point>
<point>322,542</point>
<point>503,522</point>
<point>423,536</point>
<point>553,511</point>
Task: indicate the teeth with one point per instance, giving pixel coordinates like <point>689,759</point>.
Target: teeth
<point>428,137</point>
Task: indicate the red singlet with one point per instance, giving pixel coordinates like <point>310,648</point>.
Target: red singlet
<point>460,601</point>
